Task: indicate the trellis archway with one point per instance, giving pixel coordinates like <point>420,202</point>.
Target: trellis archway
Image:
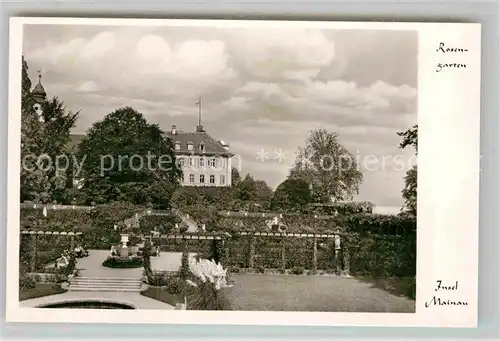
<point>36,234</point>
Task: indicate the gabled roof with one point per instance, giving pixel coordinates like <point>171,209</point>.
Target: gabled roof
<point>211,146</point>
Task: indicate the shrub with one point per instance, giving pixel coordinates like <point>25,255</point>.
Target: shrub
<point>234,269</point>
<point>261,269</point>
<point>411,288</point>
<point>71,265</point>
<point>175,285</point>
<point>26,282</point>
<point>184,270</point>
<point>298,270</point>
<point>123,263</point>
<point>207,298</point>
<point>158,279</point>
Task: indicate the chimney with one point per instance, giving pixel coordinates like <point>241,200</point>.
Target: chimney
<point>174,129</point>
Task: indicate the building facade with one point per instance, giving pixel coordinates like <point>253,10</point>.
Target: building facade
<point>204,160</point>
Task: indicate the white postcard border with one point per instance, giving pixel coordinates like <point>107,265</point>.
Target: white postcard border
<point>448,185</point>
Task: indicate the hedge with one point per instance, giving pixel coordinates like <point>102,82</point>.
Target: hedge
<point>123,263</point>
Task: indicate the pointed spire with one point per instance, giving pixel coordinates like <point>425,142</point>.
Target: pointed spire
<point>38,91</point>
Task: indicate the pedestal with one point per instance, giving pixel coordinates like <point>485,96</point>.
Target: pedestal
<point>124,251</point>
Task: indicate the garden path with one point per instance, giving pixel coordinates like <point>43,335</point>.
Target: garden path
<point>91,266</point>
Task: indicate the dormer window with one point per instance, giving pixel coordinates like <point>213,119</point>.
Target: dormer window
<point>202,147</point>
<point>177,145</point>
<point>190,145</point>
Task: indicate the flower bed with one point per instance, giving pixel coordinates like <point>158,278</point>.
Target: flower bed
<point>123,263</point>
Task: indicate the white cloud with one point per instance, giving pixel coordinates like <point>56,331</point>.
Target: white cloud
<point>292,54</point>
<point>89,86</point>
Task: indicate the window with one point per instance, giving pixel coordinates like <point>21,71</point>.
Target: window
<point>182,177</point>
<point>180,162</point>
<point>191,162</point>
<point>202,147</point>
<point>190,145</point>
<point>191,177</point>
<point>202,162</point>
<point>202,178</point>
<point>222,180</point>
<point>211,162</point>
<point>212,179</point>
<point>177,145</point>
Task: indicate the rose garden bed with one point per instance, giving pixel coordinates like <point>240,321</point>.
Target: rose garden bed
<point>123,263</point>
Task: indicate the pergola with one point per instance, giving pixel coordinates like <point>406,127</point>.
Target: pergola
<point>39,233</point>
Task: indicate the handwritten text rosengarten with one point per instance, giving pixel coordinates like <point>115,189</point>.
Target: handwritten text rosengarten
<point>442,49</point>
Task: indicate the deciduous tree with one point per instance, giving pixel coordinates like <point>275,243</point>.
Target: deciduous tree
<point>125,158</point>
<point>328,167</point>
<point>410,139</point>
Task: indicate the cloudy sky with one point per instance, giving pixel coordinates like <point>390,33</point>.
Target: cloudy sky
<point>261,89</point>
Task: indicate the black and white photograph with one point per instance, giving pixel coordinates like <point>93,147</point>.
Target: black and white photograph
<point>212,168</point>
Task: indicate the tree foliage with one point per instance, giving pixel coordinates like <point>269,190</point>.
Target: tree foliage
<point>291,195</point>
<point>235,176</point>
<point>128,159</point>
<point>328,167</point>
<point>43,140</point>
<point>410,139</point>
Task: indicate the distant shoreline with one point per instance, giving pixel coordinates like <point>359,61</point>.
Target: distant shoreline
<point>386,210</point>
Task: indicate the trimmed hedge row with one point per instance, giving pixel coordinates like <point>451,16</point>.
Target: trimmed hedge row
<point>123,263</point>
<point>161,223</point>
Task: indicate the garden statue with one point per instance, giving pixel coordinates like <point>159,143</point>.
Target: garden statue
<point>275,221</point>
<point>45,211</point>
<point>113,251</point>
<point>124,240</point>
<point>203,228</point>
<point>337,242</point>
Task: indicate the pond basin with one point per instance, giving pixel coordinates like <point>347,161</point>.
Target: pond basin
<point>87,305</point>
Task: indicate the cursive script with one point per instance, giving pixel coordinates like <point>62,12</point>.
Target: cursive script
<point>441,286</point>
<point>446,50</point>
<point>445,287</point>
<point>440,302</point>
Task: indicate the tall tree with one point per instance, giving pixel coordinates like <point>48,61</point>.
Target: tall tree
<point>43,139</point>
<point>328,167</point>
<point>128,159</point>
<point>410,139</point>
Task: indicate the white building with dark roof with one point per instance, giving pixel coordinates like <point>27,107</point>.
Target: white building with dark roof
<point>204,160</point>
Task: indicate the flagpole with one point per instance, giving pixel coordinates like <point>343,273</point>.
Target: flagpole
<point>199,112</point>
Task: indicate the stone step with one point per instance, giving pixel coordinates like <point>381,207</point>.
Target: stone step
<point>113,285</point>
<point>105,284</point>
<point>107,289</point>
<point>107,278</point>
<point>77,280</point>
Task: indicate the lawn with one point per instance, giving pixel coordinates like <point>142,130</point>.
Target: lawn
<point>312,293</point>
<point>41,289</point>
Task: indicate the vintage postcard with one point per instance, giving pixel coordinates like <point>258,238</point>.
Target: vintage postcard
<point>243,172</point>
